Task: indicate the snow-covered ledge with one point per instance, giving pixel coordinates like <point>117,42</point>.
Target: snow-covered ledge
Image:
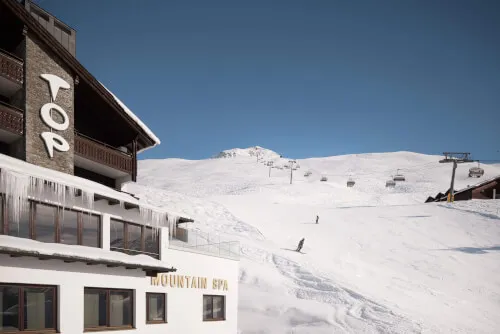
<point>18,247</point>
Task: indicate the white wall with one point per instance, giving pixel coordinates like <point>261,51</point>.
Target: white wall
<point>184,305</point>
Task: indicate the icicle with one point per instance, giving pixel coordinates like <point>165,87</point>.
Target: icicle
<point>152,218</point>
<point>15,186</point>
<point>37,187</point>
<point>172,222</point>
<point>88,199</point>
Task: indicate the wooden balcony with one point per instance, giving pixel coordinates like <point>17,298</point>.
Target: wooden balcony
<point>103,154</point>
<point>11,119</point>
<point>11,67</point>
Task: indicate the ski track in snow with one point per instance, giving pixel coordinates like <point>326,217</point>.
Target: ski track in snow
<point>298,292</point>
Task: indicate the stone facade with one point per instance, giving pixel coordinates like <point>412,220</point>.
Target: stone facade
<point>40,60</point>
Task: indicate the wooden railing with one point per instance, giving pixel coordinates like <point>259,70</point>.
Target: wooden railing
<point>94,150</point>
<point>11,118</point>
<point>11,67</point>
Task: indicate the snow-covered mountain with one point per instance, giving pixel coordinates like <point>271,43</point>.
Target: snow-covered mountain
<point>378,261</point>
<point>255,151</point>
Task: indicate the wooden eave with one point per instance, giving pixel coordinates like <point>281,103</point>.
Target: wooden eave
<point>75,65</point>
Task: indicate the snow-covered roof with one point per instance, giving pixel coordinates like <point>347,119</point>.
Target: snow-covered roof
<point>137,120</point>
<point>22,167</point>
<point>28,247</point>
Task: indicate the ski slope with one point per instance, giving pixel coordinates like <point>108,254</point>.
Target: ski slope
<point>379,261</point>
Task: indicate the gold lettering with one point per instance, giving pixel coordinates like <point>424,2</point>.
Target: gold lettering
<point>203,284</point>
<point>172,281</point>
<point>214,284</point>
<point>155,280</point>
<point>187,279</point>
<point>164,280</point>
<point>180,281</point>
<point>225,285</point>
<point>193,283</point>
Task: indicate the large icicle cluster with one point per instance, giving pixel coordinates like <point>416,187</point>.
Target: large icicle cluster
<point>19,188</point>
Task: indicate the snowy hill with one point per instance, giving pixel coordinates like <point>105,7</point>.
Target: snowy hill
<point>379,261</point>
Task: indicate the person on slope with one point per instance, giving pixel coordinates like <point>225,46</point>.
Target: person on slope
<point>317,219</point>
<point>301,244</point>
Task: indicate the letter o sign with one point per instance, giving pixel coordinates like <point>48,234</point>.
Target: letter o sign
<point>49,121</point>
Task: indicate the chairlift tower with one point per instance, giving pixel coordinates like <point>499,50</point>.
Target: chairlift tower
<point>455,158</point>
<point>270,164</point>
<point>291,169</point>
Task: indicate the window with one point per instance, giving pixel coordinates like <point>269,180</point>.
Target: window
<point>47,223</point>
<point>134,239</point>
<point>156,308</point>
<point>90,230</point>
<point>105,308</point>
<point>27,308</point>
<point>20,229</point>
<point>214,308</point>
<point>68,224</point>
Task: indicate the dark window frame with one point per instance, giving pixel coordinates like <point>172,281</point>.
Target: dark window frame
<point>20,308</point>
<point>165,318</point>
<point>108,318</point>
<point>223,318</point>
<point>126,248</point>
<point>4,222</point>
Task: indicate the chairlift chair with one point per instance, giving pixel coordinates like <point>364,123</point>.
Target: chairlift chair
<point>324,179</point>
<point>390,183</point>
<point>476,171</point>
<point>350,183</point>
<point>398,177</point>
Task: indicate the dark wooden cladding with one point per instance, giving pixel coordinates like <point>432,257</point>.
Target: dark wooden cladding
<point>11,119</point>
<point>101,153</point>
<point>11,67</point>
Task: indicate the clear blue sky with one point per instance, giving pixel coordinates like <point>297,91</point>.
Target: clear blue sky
<point>304,78</point>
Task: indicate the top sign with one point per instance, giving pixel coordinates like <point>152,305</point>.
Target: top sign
<point>54,141</point>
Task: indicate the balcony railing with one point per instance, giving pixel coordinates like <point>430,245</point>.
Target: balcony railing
<point>205,243</point>
<point>96,151</point>
<point>11,67</point>
<point>11,118</point>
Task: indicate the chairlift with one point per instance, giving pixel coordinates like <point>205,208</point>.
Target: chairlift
<point>476,171</point>
<point>324,179</point>
<point>390,183</point>
<point>398,177</point>
<point>308,173</point>
<point>350,183</point>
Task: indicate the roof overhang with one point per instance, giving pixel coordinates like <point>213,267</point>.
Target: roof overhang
<point>149,140</point>
<point>150,270</point>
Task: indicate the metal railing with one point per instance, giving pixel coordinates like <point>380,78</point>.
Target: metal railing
<point>205,243</point>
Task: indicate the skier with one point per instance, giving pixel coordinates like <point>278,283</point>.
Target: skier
<point>301,244</point>
<point>317,219</point>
